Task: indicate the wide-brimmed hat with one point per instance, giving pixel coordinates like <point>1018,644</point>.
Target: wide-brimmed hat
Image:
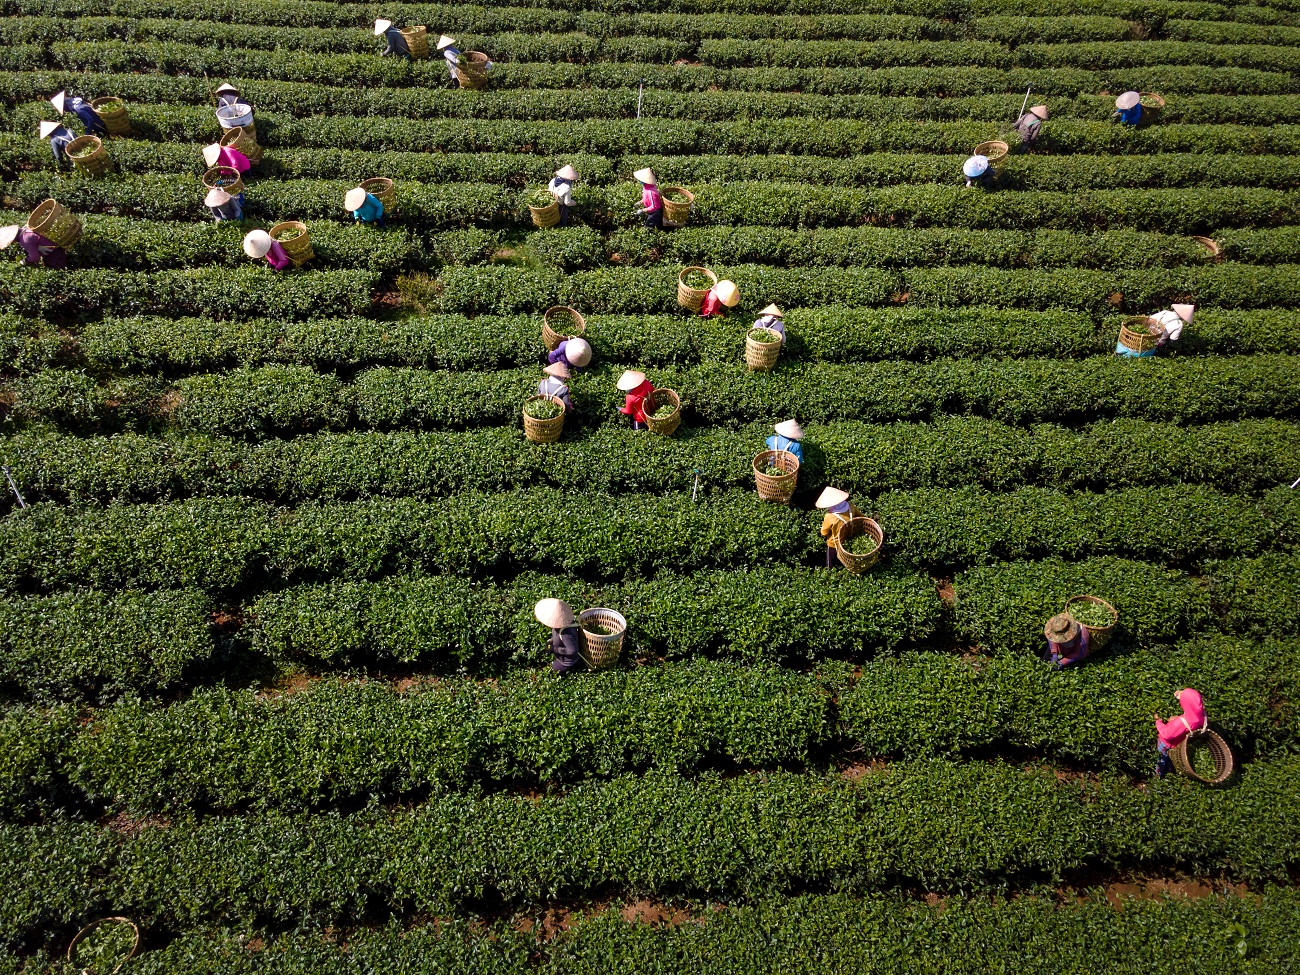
<point>789,429</point>
<point>830,497</point>
<point>975,167</point>
<point>212,153</point>
<point>1040,111</point>
<point>630,380</point>
<point>567,172</point>
<point>1184,312</point>
<point>727,293</point>
<point>49,128</point>
<point>8,235</point>
<point>646,176</point>
<point>217,197</point>
<point>227,87</point>
<point>1127,100</point>
<point>58,100</point>
<point>445,41</point>
<point>354,198</point>
<point>382,25</point>
<point>559,370</point>
<point>257,243</point>
<point>554,613</point>
<point>1061,629</point>
<point>774,311</point>
<point>577,351</point>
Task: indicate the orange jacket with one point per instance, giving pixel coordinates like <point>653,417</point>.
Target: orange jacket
<point>833,521</point>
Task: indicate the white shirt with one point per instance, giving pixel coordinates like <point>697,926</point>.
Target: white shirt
<point>552,386</point>
<point>562,190</point>
<point>1170,324</point>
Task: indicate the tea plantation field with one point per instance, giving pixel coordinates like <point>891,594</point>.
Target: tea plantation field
<point>272,687</point>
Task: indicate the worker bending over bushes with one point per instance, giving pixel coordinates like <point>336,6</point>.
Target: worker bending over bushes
<point>555,384</point>
<point>773,319</point>
<point>787,437</point>
<point>59,136</point>
<point>396,43</point>
<point>838,510</point>
<point>1166,326</point>
<point>1128,108</point>
<point>721,296</point>
<point>566,637</point>
<point>37,248</point>
<point>258,244</point>
<point>365,207</point>
<point>561,187</point>
<point>573,352</point>
<point>1067,641</point>
<point>83,110</point>
<point>223,206</point>
<point>1169,734</point>
<point>1030,125</point>
<point>979,173</point>
<point>636,388</point>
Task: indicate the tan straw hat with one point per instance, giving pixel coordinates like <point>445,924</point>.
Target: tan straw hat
<point>1061,629</point>
<point>8,235</point>
<point>644,176</point>
<point>212,153</point>
<point>578,352</point>
<point>47,129</point>
<point>227,87</point>
<point>1127,100</point>
<point>1184,312</point>
<point>727,293</point>
<point>257,243</point>
<point>789,429</point>
<point>1040,111</point>
<point>445,41</point>
<point>354,198</point>
<point>217,197</point>
<point>567,172</point>
<point>58,101</point>
<point>630,380</point>
<point>774,311</point>
<point>830,497</point>
<point>382,25</point>
<point>559,370</point>
<point>554,613</point>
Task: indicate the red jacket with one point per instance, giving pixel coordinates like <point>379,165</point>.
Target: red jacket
<point>712,306</point>
<point>634,403</point>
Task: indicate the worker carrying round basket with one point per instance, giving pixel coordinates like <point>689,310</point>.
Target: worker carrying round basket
<point>1186,742</point>
<point>89,155</point>
<point>91,120</point>
<point>395,42</point>
<point>60,137</point>
<point>242,140</point>
<point>1030,125</point>
<point>102,947</point>
<point>787,437</point>
<point>50,230</point>
<point>561,187</point>
<point>217,155</point>
<point>1142,337</point>
<point>575,353</point>
<point>556,384</point>
<point>651,210</point>
<point>1068,642</point>
<point>1138,108</point>
<point>663,411</point>
<point>258,244</point>
<point>544,417</point>
<point>693,284</point>
<point>560,322</point>
<point>839,510</point>
<point>764,340</point>
<point>720,297</point>
<point>223,206</point>
<point>227,95</point>
<point>465,69</point>
<point>364,207</point>
<point>858,544</point>
<point>776,470</point>
<point>566,636</point>
<point>636,388</point>
<point>979,173</point>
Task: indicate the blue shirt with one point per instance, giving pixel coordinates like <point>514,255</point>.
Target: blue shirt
<point>778,442</point>
<point>1130,116</point>
<point>396,43</point>
<point>83,110</point>
<point>370,210</point>
<point>59,140</point>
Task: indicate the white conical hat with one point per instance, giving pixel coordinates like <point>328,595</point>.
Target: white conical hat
<point>217,197</point>
<point>830,497</point>
<point>257,243</point>
<point>58,101</point>
<point>567,172</point>
<point>1184,312</point>
<point>212,153</point>
<point>227,87</point>
<point>554,613</point>
<point>354,198</point>
<point>47,129</point>
<point>1127,100</point>
<point>727,293</point>
<point>1040,111</point>
<point>644,176</point>
<point>789,429</point>
<point>445,41</point>
<point>8,235</point>
<point>382,25</point>
<point>975,167</point>
<point>630,380</point>
<point>773,311</point>
<point>578,351</point>
<point>560,370</point>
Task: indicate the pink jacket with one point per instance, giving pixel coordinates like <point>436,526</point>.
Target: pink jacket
<point>650,199</point>
<point>234,159</point>
<point>276,256</point>
<point>1177,728</point>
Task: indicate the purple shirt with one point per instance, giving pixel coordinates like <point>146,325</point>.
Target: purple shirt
<point>276,256</point>
<point>38,249</point>
<point>558,355</point>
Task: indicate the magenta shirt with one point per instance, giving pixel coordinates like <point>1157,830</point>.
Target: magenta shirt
<point>650,199</point>
<point>276,256</point>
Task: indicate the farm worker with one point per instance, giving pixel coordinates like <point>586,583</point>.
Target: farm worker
<point>1171,733</point>
<point>223,205</point>
<point>219,155</point>
<point>1067,641</point>
<point>566,639</point>
<point>228,94</point>
<point>258,244</point>
<point>978,172</point>
<point>365,207</point>
<point>1166,325</point>
<point>637,388</point>
<point>838,510</point>
<point>554,384</point>
<point>83,110</point>
<point>391,34</point>
<point>59,136</point>
<point>38,249</point>
<point>721,296</point>
<point>1030,125</point>
<point>772,318</point>
<point>572,352</point>
<point>561,187</point>
<point>1128,107</point>
<point>447,45</point>
<point>651,209</point>
<point>787,437</point>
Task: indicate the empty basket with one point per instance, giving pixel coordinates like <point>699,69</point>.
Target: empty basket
<point>601,648</point>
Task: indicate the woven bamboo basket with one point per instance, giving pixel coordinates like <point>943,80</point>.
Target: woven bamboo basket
<point>1151,105</point>
<point>852,528</point>
<point>677,214</point>
<point>993,151</point>
<point>762,356</point>
<point>692,298</point>
<point>473,73</point>
<point>224,177</point>
<point>112,112</point>
<point>1133,334</point>
<point>1224,763</point>
<point>776,487</point>
<point>56,222</point>
<point>547,216</point>
<point>1216,252</point>
<point>81,935</point>
<point>669,424</point>
<point>1098,636</point>
<point>544,431</point>
<point>238,116</point>
<point>96,161</point>
<point>417,41</point>
<point>298,249</point>
<point>239,140</point>
<point>601,650</point>
<point>381,188</point>
<point>560,322</point>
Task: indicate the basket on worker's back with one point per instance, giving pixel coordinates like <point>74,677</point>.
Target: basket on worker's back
<point>1135,334</point>
<point>297,246</point>
<point>543,430</point>
<point>240,140</point>
<point>851,529</point>
<point>601,645</point>
<point>225,178</point>
<point>417,41</point>
<point>238,116</point>
<point>472,73</point>
<point>56,223</point>
<point>381,188</point>
<point>692,298</point>
<point>1098,636</point>
<point>1152,104</point>
<point>676,213</point>
<point>560,322</point>
<point>776,487</point>
<point>1184,757</point>
<point>761,353</point>
<point>994,151</point>
<point>657,399</point>
<point>545,216</point>
<point>112,112</point>
<point>88,154</point>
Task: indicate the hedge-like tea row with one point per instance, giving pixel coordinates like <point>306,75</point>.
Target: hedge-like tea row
<point>924,823</point>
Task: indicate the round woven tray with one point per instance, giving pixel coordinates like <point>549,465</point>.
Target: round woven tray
<point>560,322</point>
<point>544,431</point>
<point>381,188</point>
<point>417,41</point>
<point>669,424</point>
<point>239,139</point>
<point>234,184</point>
<point>95,162</point>
<point>1132,337</point>
<point>547,216</point>
<point>601,650</point>
<point>852,528</point>
<point>992,151</point>
<point>56,222</point>
<point>692,298</point>
<point>773,487</point>
<point>677,213</point>
<point>1098,636</point>
<point>761,356</point>
<point>1224,763</point>
<point>80,935</point>
<point>112,112</point>
<point>298,249</point>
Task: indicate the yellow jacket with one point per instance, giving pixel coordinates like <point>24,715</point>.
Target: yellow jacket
<point>832,521</point>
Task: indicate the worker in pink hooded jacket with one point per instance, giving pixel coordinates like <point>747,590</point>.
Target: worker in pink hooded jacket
<point>1173,732</point>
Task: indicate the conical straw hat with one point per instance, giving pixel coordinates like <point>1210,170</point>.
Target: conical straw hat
<point>47,129</point>
<point>8,235</point>
<point>630,380</point>
<point>58,101</point>
<point>554,613</point>
<point>257,243</point>
<point>1127,100</point>
<point>830,497</point>
<point>644,176</point>
<point>789,429</point>
<point>1184,312</point>
<point>567,172</point>
<point>354,198</point>
<point>445,41</point>
<point>1040,111</point>
<point>212,153</point>
<point>727,293</point>
<point>773,311</point>
<point>578,352</point>
<point>559,370</point>
<point>382,25</point>
<point>975,167</point>
<point>217,197</point>
<point>227,87</point>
